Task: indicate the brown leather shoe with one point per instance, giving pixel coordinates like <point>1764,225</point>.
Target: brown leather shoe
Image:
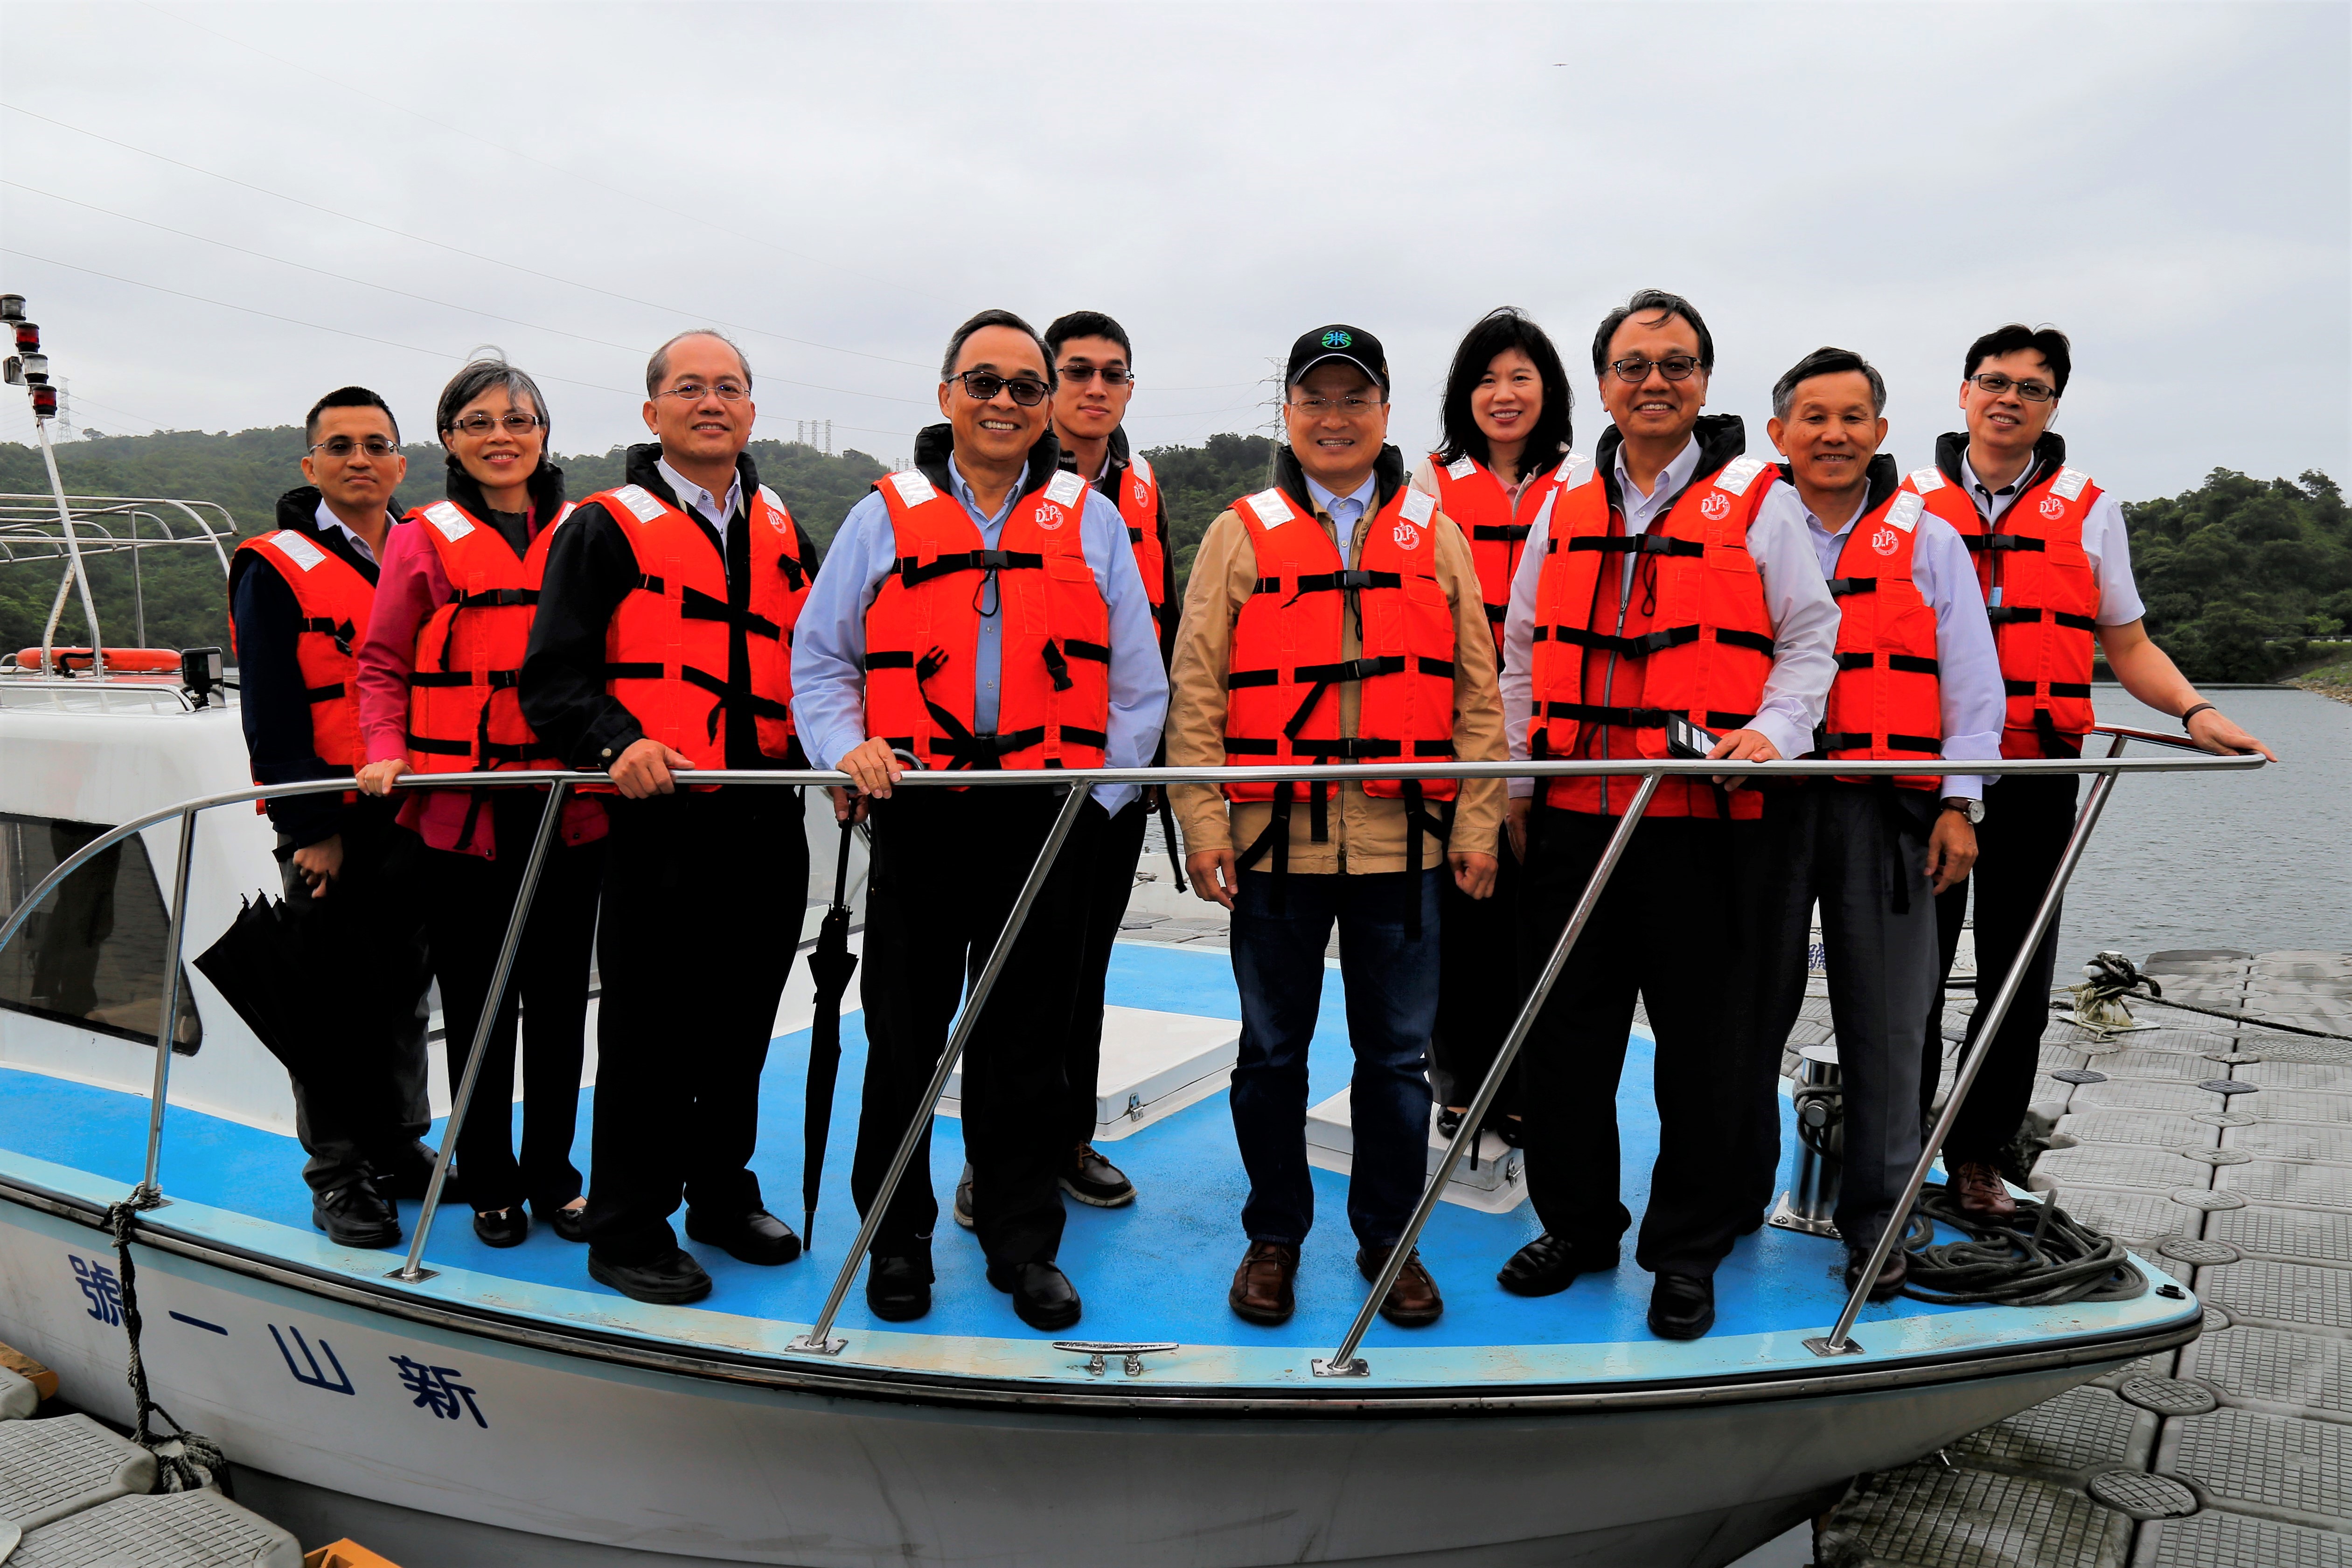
<point>1891,1278</point>
<point>1412,1302</point>
<point>1262,1289</point>
<point>1981,1193</point>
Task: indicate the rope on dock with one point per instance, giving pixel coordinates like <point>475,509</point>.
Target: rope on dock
<point>184,1460</point>
<point>2044,1257</point>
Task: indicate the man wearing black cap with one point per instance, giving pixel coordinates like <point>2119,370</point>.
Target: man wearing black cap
<point>1335,618</point>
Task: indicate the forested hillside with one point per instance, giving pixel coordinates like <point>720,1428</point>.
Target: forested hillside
<point>2239,574</point>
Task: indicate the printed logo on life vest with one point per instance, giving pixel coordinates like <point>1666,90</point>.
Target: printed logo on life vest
<point>1142,492</point>
<point>2052,507</point>
<point>1884,540</point>
<point>1338,341</point>
<point>1051,516</point>
<point>1407,536</point>
<point>1716,507</point>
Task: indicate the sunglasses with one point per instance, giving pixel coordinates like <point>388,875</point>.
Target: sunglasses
<point>343,446</point>
<point>1082,374</point>
<point>1673,367</point>
<point>983,386</point>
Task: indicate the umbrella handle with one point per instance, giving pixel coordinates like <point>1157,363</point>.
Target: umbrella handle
<point>841,865</point>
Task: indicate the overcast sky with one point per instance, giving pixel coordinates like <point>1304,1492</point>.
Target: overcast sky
<point>841,184</point>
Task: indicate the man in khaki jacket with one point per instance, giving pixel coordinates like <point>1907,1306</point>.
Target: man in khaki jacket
<point>1274,664</point>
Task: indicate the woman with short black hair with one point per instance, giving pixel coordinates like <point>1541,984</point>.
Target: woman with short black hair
<point>1505,419</point>
<point>437,693</point>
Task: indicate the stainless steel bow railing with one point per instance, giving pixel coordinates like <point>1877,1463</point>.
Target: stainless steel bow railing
<point>1343,1362</point>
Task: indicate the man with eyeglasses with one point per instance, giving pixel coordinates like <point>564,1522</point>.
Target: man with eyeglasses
<point>982,611</point>
<point>1335,618</point>
<point>663,647</point>
<point>299,598</point>
<point>2054,559</point>
<point>1661,610</point>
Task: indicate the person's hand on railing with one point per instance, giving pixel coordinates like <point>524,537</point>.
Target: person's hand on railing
<point>1474,873</point>
<point>1515,823</point>
<point>376,778</point>
<point>1743,746</point>
<point>644,769</point>
<point>1214,876</point>
<point>321,864</point>
<point>873,767</point>
<point>1951,850</point>
<point>2211,729</point>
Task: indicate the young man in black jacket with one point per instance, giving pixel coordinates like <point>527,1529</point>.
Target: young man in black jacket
<point>345,856</point>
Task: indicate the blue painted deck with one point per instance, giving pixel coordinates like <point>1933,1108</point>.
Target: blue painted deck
<point>1158,1269</point>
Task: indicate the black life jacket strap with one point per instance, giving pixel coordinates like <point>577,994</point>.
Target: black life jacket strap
<point>1842,586</point>
<point>1998,542</point>
<point>495,598</point>
<point>2057,688</point>
<point>2014,615</point>
<point>1637,544</point>
<point>1505,533</point>
<point>1910,664</point>
<point>696,605</point>
<point>343,632</point>
<point>913,571</point>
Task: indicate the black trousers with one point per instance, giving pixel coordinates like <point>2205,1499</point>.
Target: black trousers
<point>2028,820</point>
<point>1118,849</point>
<point>468,902</point>
<point>1853,846</point>
<point>376,909</point>
<point>701,916</point>
<point>1682,925</point>
<point>948,866</point>
<point>1480,986</point>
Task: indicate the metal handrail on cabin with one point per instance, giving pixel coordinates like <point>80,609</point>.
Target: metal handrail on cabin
<point>1343,1362</point>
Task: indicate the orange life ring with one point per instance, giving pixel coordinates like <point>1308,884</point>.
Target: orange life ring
<point>122,661</point>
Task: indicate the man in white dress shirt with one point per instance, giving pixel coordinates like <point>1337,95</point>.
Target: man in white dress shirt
<point>1873,851</point>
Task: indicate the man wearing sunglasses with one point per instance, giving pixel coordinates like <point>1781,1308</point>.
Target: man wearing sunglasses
<point>2054,563</point>
<point>981,612</point>
<point>1335,617</point>
<point>1661,610</point>
<point>662,647</point>
<point>299,598</point>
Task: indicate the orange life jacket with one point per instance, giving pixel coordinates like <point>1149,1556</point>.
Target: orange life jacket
<point>2042,598</point>
<point>335,602</point>
<point>463,716</point>
<point>1692,638</point>
<point>923,632</point>
<point>1477,500</point>
<point>1886,702</point>
<point>1138,506</point>
<point>666,647</point>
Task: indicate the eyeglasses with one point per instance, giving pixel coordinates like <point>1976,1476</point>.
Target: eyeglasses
<point>482,423</point>
<point>694,391</point>
<point>1082,374</point>
<point>983,386</point>
<point>342,446</point>
<point>1994,383</point>
<point>1352,406</point>
<point>1673,367</point>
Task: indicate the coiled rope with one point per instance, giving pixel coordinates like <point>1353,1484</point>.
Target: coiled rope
<point>2110,976</point>
<point>2044,1257</point>
<point>184,1460</point>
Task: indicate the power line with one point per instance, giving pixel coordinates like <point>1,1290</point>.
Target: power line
<point>457,250</point>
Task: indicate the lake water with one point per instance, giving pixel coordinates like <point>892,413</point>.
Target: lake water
<point>2253,861</point>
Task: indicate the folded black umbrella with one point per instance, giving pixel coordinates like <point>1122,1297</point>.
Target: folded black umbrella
<point>281,967</point>
<point>830,966</point>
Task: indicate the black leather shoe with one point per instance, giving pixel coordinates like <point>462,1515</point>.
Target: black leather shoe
<point>1681,1307</point>
<point>963,1200</point>
<point>897,1290</point>
<point>406,1175</point>
<point>1546,1266</point>
<point>1891,1278</point>
<point>758,1237</point>
<point>1094,1180</point>
<point>670,1281</point>
<point>1449,1121</point>
<point>1042,1296</point>
<point>502,1227</point>
<point>571,1224</point>
<point>355,1215</point>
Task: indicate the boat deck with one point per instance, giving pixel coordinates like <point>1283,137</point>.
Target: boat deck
<point>1156,1270</point>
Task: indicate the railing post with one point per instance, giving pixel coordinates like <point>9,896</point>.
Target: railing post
<point>1836,1341</point>
<point>1344,1362</point>
<point>816,1340</point>
<point>412,1271</point>
<point>150,1194</point>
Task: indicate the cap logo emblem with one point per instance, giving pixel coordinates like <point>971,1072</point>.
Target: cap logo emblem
<point>1714,508</point>
<point>2052,507</point>
<point>1884,541</point>
<point>1338,341</point>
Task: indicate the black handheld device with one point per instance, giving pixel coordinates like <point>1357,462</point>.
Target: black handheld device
<point>1685,738</point>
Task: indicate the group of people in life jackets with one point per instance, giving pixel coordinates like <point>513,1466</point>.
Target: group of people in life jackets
<point>1010,602</point>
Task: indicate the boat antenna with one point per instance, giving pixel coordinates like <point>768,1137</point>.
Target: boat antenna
<point>29,368</point>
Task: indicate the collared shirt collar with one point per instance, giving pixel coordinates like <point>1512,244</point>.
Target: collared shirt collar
<point>694,496</point>
<point>1677,475</point>
<point>326,519</point>
<point>1346,511</point>
<point>962,489</point>
<point>1992,503</point>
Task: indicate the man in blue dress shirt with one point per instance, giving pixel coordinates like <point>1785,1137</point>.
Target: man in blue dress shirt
<point>887,643</point>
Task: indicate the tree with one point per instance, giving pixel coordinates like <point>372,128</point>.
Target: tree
<point>2237,574</point>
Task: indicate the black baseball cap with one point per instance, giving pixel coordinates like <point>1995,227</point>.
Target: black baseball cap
<point>1338,341</point>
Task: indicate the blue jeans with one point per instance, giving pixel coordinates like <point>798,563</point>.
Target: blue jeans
<point>1392,984</point>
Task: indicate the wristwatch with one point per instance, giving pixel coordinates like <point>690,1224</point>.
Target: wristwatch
<point>1972,809</point>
